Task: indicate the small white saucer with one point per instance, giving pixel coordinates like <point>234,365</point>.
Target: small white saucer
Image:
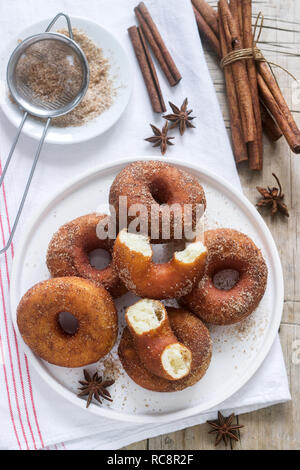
<point>120,72</point>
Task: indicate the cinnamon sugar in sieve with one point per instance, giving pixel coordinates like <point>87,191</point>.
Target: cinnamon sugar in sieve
<point>51,79</point>
<point>50,70</point>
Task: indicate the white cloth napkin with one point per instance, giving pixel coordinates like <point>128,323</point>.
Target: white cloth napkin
<point>32,415</point>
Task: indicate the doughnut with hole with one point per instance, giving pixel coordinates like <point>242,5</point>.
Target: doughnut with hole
<point>158,185</point>
<point>229,249</point>
<point>190,331</point>
<point>132,258</point>
<point>68,253</point>
<point>92,306</point>
<point>153,338</point>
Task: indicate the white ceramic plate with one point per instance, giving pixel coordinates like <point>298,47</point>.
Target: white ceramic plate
<point>238,350</point>
<point>120,73</point>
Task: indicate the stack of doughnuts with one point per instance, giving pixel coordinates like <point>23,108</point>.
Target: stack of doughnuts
<point>70,320</point>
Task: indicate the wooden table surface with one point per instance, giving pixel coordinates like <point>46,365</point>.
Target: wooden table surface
<point>276,427</point>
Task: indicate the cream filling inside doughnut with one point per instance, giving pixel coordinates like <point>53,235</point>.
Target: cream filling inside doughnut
<point>136,242</point>
<point>176,360</point>
<point>145,315</point>
<point>191,253</point>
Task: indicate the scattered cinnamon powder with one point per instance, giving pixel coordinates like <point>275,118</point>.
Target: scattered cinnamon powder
<point>110,366</point>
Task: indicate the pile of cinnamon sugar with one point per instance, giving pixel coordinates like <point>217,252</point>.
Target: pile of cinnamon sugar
<point>100,94</point>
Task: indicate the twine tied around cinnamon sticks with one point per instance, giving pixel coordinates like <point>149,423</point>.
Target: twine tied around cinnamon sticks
<point>252,52</point>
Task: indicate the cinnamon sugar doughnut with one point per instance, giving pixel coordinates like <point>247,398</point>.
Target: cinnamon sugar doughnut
<point>229,249</point>
<point>132,258</point>
<point>38,318</point>
<point>158,185</point>
<point>154,340</point>
<point>68,253</point>
<point>190,331</point>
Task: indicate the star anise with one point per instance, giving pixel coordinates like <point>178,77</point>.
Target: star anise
<point>224,429</point>
<point>160,138</point>
<point>272,198</point>
<point>181,117</point>
<point>93,386</point>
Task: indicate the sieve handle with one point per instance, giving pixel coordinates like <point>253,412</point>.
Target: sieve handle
<point>68,23</point>
<point>29,178</point>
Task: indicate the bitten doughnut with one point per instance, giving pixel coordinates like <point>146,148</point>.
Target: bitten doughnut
<point>68,253</point>
<point>191,332</point>
<point>154,341</point>
<point>157,185</point>
<point>132,258</point>
<point>42,312</point>
<point>229,249</point>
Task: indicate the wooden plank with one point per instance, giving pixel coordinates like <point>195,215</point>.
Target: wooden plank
<point>277,427</point>
<point>291,313</point>
<point>196,437</point>
<point>142,445</point>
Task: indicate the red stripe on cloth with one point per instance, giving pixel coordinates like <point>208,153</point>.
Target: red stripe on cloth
<point>26,362</point>
<point>10,354</point>
<point>25,357</point>
<point>7,334</point>
<point>23,391</point>
<point>8,397</point>
<point>32,401</point>
<point>17,346</point>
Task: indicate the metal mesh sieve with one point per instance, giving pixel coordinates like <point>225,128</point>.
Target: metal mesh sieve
<point>47,75</point>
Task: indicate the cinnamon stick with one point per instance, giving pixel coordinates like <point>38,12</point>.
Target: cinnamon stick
<point>267,75</point>
<point>241,20</point>
<point>208,14</point>
<point>244,28</point>
<point>239,146</point>
<point>276,110</point>
<point>147,68</point>
<point>157,44</point>
<point>207,32</point>
<point>234,6</point>
<point>270,127</point>
<point>255,149</point>
<point>239,71</point>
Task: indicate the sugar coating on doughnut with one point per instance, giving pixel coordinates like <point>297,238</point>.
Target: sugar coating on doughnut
<point>145,315</point>
<point>132,258</point>
<point>176,360</point>
<point>136,242</point>
<point>158,186</point>
<point>228,248</point>
<point>69,248</point>
<point>91,305</point>
<point>191,252</point>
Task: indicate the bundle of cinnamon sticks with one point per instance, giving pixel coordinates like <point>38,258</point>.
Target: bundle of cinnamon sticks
<point>254,97</point>
<point>148,33</point>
